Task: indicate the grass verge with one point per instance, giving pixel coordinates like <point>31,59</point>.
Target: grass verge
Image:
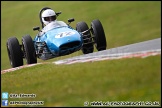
<point>133,79</point>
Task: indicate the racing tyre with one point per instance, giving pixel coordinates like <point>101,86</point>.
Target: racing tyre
<point>87,40</point>
<point>29,50</point>
<point>99,35</point>
<point>14,52</point>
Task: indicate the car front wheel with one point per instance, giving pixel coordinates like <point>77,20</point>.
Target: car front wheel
<point>29,50</point>
<point>14,52</point>
<point>87,40</point>
<point>99,35</point>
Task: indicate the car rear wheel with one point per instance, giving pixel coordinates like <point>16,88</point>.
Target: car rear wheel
<point>29,50</point>
<point>87,40</point>
<point>99,35</point>
<point>14,52</point>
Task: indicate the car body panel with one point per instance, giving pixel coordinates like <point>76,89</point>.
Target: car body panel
<point>59,41</point>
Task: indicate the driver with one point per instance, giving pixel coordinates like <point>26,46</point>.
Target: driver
<point>48,16</point>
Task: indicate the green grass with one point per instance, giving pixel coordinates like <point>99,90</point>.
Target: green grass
<point>134,79</point>
<point>124,22</point>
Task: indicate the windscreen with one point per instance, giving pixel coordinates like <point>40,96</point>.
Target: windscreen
<point>54,24</point>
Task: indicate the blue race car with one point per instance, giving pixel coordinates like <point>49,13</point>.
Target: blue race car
<point>56,39</point>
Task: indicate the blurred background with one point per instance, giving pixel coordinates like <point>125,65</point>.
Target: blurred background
<point>124,22</point>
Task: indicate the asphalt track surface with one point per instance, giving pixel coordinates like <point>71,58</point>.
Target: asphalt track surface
<point>151,45</point>
<point>141,49</point>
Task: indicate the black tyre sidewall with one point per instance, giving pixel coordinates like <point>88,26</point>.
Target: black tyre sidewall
<point>99,35</point>
<point>29,50</point>
<point>88,48</point>
<point>14,52</point>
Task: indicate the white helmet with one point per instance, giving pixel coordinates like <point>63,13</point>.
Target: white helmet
<point>48,16</point>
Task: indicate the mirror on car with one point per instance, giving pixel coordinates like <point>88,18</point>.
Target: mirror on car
<point>58,13</point>
<point>36,28</point>
<point>70,20</point>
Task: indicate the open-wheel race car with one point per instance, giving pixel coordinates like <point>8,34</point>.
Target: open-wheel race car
<point>56,39</point>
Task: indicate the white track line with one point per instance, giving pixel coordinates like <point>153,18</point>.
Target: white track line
<point>141,54</point>
<point>17,68</point>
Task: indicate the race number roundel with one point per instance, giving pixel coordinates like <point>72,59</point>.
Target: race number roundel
<point>64,34</point>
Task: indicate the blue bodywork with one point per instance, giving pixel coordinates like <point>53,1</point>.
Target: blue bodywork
<point>57,41</point>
